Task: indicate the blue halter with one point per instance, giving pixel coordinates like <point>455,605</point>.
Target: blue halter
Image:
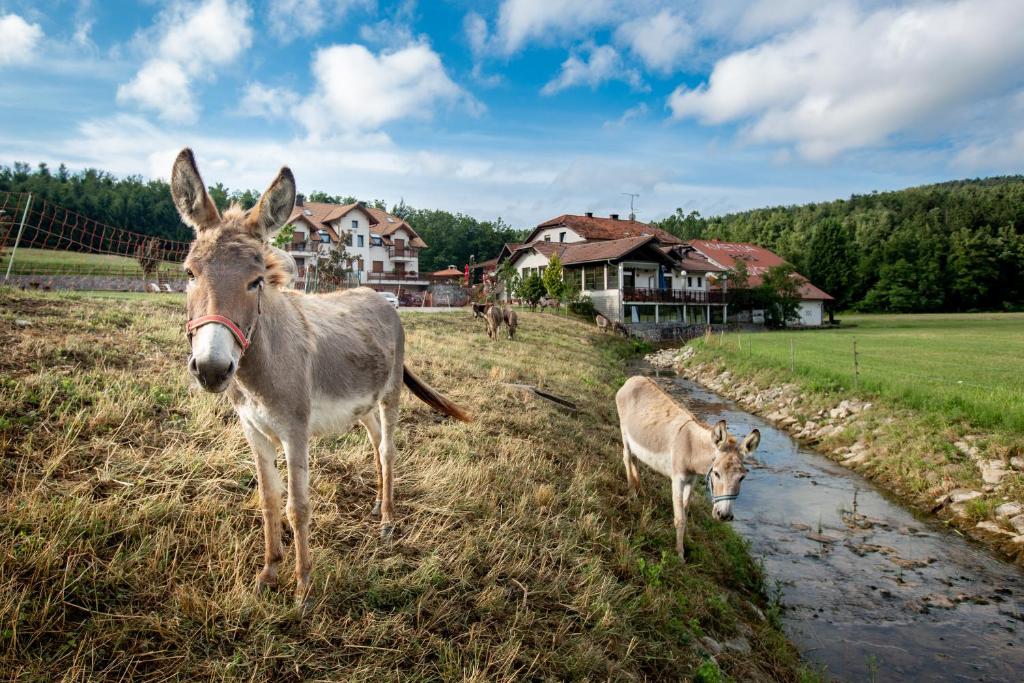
<point>711,494</point>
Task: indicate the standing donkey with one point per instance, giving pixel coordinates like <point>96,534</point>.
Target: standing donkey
<point>494,317</point>
<point>671,441</point>
<point>294,365</point>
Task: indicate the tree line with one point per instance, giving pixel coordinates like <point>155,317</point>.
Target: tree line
<point>954,246</point>
<point>145,206</point>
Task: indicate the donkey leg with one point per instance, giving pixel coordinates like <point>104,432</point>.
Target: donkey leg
<point>632,480</point>
<point>297,452</point>
<point>372,424</point>
<point>681,487</point>
<point>269,482</point>
<point>388,422</point>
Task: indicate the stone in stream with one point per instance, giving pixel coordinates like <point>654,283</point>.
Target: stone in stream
<point>992,471</point>
<point>957,496</point>
<point>993,528</point>
<point>1009,510</point>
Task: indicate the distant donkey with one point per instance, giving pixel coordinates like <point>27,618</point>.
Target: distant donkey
<point>494,318</point>
<point>293,365</point>
<point>670,440</point>
<point>511,322</point>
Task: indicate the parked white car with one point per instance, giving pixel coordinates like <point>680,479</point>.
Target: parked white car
<point>391,297</point>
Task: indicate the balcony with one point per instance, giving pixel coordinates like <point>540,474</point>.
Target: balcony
<point>395,276</point>
<point>672,296</point>
<point>403,252</point>
<point>307,246</point>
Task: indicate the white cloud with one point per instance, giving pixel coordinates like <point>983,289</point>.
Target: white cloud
<point>191,40</point>
<point>266,102</point>
<point>291,19</point>
<point>631,114</point>
<point>393,29</point>
<point>357,90</point>
<point>741,21</point>
<point>18,40</point>
<point>522,20</point>
<point>602,64</point>
<point>475,28</point>
<point>660,40</point>
<point>854,79</point>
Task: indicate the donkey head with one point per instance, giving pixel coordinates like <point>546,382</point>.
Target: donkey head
<point>228,266</point>
<point>727,470</point>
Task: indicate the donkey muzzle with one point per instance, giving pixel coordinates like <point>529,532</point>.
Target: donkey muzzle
<point>214,358</point>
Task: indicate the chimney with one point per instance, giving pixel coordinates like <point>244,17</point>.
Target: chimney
<point>614,216</point>
<point>300,200</point>
<point>590,214</point>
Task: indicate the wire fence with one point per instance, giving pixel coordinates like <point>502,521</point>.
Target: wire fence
<point>29,222</point>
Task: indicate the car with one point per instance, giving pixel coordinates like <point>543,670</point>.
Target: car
<point>391,297</point>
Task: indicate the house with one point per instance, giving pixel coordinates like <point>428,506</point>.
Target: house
<point>758,260</point>
<point>638,274</point>
<point>384,249</point>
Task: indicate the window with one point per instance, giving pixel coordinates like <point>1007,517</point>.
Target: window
<point>359,241</point>
<point>355,224</point>
<point>561,237</point>
<point>700,283</point>
<point>375,241</point>
<point>668,282</point>
<point>640,314</point>
<point>629,278</point>
<point>593,277</point>
<point>547,238</point>
<point>689,282</point>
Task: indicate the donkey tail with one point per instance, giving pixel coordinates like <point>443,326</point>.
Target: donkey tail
<point>432,398</point>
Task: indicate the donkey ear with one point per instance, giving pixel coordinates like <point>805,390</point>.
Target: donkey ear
<point>274,207</point>
<point>751,443</point>
<point>719,433</point>
<point>195,206</point>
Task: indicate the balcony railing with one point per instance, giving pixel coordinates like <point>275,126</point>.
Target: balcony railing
<point>672,296</point>
<point>395,276</point>
<point>299,246</point>
<point>403,252</point>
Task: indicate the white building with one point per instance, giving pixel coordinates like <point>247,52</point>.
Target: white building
<point>384,249</point>
<point>638,274</point>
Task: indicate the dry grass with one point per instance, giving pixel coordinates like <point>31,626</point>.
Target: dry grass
<point>130,532</point>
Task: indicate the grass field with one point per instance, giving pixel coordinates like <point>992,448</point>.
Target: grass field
<point>54,262</point>
<point>130,530</point>
<point>963,367</point>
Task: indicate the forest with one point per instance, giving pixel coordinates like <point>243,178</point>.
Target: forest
<point>954,246</point>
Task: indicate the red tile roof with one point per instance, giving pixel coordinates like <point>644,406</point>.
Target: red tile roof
<point>320,215</point>
<point>595,228</point>
<point>758,261</point>
<point>573,253</point>
<point>448,272</point>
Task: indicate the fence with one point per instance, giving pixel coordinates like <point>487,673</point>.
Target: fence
<point>68,239</point>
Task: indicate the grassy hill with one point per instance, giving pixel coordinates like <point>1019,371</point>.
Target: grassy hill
<point>130,530</point>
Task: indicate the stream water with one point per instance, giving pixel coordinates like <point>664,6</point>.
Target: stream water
<point>869,590</point>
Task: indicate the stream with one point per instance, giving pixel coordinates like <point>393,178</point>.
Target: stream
<point>870,590</point>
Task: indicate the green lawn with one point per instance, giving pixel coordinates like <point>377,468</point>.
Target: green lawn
<point>962,366</point>
<point>55,262</point>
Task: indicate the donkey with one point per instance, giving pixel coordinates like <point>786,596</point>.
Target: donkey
<point>670,440</point>
<point>293,365</point>
<point>511,321</point>
<point>480,310</point>
<point>603,323</point>
<point>493,317</point>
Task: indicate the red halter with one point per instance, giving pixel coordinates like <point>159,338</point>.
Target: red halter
<point>243,340</point>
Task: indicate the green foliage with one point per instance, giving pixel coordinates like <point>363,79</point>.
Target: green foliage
<point>454,238</point>
<point>531,289</point>
<point>553,283</point>
<point>954,246</point>
<point>284,236</point>
<point>779,295</point>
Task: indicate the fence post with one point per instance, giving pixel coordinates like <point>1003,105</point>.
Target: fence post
<point>856,368</point>
<point>21,228</point>
<point>792,356</point>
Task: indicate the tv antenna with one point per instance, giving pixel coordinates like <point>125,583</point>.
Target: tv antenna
<point>632,196</point>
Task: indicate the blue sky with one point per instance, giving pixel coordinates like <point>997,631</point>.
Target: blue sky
<point>524,109</point>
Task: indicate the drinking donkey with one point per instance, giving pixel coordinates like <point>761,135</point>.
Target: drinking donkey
<point>671,441</point>
<point>293,365</point>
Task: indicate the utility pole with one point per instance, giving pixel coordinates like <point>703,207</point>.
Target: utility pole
<point>632,196</point>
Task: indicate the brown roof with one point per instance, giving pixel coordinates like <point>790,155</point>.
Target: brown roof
<point>321,214</point>
<point>448,272</point>
<point>595,228</point>
<point>758,261</point>
<point>574,253</point>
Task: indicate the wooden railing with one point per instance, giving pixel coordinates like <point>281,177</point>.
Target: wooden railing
<point>672,296</point>
<point>401,276</point>
<point>403,252</point>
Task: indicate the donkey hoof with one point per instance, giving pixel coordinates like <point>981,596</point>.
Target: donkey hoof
<point>387,531</point>
<point>375,510</point>
<point>265,581</point>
